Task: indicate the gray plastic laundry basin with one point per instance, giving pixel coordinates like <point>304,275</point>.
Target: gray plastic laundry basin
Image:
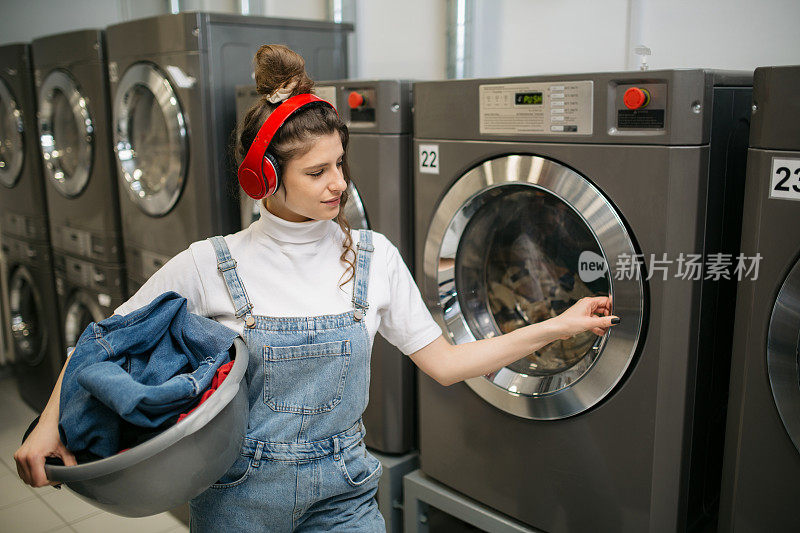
<point>174,466</point>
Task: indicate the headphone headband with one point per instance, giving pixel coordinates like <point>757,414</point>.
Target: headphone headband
<point>256,180</point>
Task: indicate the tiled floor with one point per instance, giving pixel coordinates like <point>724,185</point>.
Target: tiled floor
<point>27,510</point>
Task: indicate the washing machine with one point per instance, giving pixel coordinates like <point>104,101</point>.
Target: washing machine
<point>6,349</point>
<point>378,115</point>
<point>760,487</point>
<point>74,120</point>
<point>534,192</point>
<point>173,80</point>
<point>23,209</point>
<point>34,320</point>
<point>87,292</point>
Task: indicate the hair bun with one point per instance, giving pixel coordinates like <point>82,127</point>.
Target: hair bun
<point>280,73</point>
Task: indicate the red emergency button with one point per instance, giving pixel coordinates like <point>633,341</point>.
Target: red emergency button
<point>635,98</point>
<point>355,100</point>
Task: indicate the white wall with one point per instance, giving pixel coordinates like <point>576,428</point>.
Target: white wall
<point>511,37</point>
<point>730,34</point>
<point>516,37</point>
<point>401,39</point>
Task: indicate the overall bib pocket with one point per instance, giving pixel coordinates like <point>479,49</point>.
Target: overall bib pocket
<point>236,474</point>
<point>357,466</point>
<point>305,379</point>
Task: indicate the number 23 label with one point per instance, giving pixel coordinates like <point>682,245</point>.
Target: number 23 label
<point>785,182</point>
<point>429,158</point>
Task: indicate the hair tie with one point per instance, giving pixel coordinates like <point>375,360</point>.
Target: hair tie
<point>282,93</point>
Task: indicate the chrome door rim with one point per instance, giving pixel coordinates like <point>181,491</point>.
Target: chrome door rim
<point>148,76</point>
<point>78,300</point>
<point>9,176</point>
<point>69,186</point>
<point>577,389</point>
<point>14,296</point>
<point>783,344</point>
<point>354,200</point>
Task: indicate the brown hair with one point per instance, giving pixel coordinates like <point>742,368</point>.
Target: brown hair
<point>277,66</point>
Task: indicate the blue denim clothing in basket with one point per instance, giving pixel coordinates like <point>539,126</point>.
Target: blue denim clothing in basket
<point>303,465</point>
<point>144,368</point>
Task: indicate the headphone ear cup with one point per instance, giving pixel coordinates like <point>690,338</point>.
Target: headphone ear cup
<point>272,173</point>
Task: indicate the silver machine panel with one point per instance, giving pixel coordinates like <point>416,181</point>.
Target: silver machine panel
<point>173,80</point>
<point>761,463</point>
<point>533,192</point>
<point>74,137</point>
<point>23,207</point>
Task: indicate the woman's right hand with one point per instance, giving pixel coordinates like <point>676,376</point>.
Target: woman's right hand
<point>44,441</point>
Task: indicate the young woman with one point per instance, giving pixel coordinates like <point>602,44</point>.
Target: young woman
<point>308,295</point>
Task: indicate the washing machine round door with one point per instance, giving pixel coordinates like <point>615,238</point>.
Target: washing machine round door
<point>354,209</point>
<point>150,139</point>
<point>81,311</point>
<point>28,326</point>
<point>518,240</point>
<point>66,133</point>
<point>783,353</point>
<point>12,151</point>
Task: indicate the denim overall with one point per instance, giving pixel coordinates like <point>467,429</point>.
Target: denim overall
<point>303,464</point>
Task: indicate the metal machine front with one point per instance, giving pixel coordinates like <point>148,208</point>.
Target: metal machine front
<point>66,133</point>
<point>150,139</point>
<point>783,353</point>
<point>12,148</point>
<point>515,241</point>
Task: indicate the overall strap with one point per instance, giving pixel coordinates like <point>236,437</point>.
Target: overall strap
<point>361,281</point>
<point>227,266</point>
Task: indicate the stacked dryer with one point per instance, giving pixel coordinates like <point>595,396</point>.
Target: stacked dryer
<point>534,192</point>
<point>173,82</point>
<point>761,477</point>
<point>32,304</point>
<point>75,140</point>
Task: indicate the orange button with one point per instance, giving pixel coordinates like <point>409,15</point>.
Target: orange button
<point>355,100</point>
<point>635,98</point>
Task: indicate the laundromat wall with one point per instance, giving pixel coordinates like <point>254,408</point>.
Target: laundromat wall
<point>502,37</point>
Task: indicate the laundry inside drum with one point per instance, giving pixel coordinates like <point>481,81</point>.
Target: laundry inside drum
<point>517,264</point>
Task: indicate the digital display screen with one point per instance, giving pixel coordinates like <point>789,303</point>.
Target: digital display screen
<point>528,98</point>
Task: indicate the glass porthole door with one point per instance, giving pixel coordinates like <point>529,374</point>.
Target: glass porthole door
<point>66,134</point>
<point>783,353</point>
<point>150,139</point>
<point>12,150</point>
<point>354,209</point>
<point>81,311</point>
<point>28,327</point>
<point>503,251</point>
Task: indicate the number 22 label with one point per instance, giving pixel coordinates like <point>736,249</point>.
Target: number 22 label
<point>785,182</point>
<point>429,158</point>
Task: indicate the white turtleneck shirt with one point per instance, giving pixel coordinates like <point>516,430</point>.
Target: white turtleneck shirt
<point>293,269</point>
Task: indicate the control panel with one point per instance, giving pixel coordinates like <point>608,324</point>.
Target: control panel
<point>639,106</point>
<point>550,108</point>
<point>362,103</point>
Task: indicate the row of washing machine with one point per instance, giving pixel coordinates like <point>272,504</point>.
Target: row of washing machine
<point>511,198</point>
<point>520,187</point>
<point>114,158</point>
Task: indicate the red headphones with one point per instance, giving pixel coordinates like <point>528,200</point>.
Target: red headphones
<point>259,173</point>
